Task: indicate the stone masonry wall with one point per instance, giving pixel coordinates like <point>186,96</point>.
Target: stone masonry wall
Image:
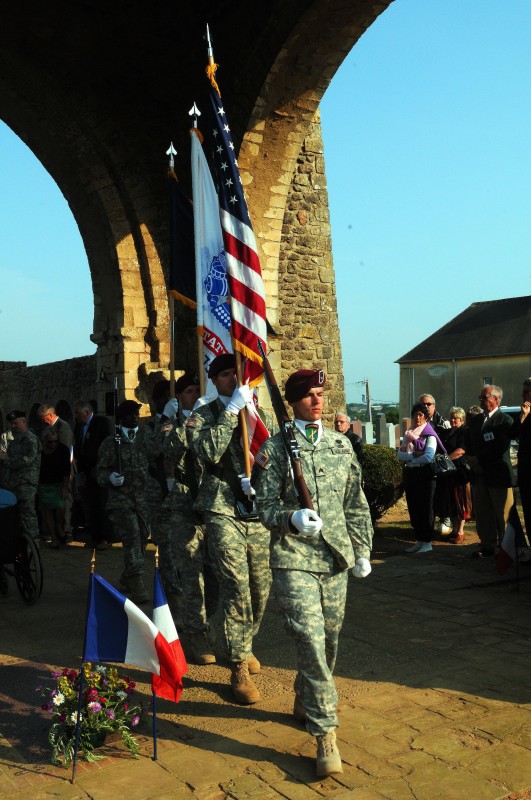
<point>308,320</point>
<point>58,383</point>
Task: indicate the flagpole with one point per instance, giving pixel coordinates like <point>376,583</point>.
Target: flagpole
<point>194,112</point>
<point>153,695</point>
<point>172,345</point>
<point>171,152</point>
<point>517,547</point>
<point>82,672</point>
<point>242,416</point>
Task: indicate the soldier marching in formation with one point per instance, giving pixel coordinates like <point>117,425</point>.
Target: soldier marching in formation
<point>123,468</point>
<point>313,549</point>
<point>237,542</point>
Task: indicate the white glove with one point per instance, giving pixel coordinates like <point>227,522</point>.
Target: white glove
<point>116,479</point>
<point>306,521</point>
<point>246,486</point>
<point>446,424</point>
<point>362,568</point>
<point>240,397</point>
<point>171,409</point>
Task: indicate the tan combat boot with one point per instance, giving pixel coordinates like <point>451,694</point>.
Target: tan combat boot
<point>254,665</point>
<point>328,758</point>
<point>243,689</point>
<point>135,584</point>
<point>200,650</point>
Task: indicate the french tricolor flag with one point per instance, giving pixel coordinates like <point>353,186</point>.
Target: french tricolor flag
<point>513,538</point>
<point>163,619</point>
<point>118,632</point>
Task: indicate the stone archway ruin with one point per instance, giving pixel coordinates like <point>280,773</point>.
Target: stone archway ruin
<point>97,90</point>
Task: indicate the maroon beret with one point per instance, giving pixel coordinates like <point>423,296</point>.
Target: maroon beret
<point>225,361</point>
<point>185,381</point>
<point>128,407</point>
<point>299,384</point>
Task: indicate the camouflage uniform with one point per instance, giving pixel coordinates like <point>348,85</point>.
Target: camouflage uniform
<point>126,505</point>
<point>21,476</point>
<point>156,494</point>
<point>238,550</point>
<point>199,586</point>
<point>310,575</point>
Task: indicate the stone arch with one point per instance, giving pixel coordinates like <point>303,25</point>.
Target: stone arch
<point>99,119</point>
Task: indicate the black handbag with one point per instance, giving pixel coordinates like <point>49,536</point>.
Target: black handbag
<point>442,464</point>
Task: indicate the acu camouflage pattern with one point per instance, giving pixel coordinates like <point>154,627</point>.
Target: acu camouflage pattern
<point>21,476</point>
<point>313,606</point>
<point>159,469</point>
<point>126,504</point>
<point>333,476</point>
<point>310,574</point>
<point>238,549</point>
<point>181,526</point>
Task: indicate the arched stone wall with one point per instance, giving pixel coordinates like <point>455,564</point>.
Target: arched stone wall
<point>97,95</point>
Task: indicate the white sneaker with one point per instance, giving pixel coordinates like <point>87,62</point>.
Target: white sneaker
<point>425,547</point>
<point>413,548</point>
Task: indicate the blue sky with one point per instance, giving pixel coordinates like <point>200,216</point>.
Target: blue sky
<point>426,127</point>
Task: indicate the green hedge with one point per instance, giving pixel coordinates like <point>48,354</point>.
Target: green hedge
<point>382,478</point>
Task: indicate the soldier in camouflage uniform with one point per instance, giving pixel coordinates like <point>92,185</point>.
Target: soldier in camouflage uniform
<point>21,467</point>
<point>199,586</point>
<point>312,550</point>
<point>238,547</point>
<point>126,504</point>
<point>158,486</point>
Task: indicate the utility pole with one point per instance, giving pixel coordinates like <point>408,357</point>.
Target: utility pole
<point>367,397</point>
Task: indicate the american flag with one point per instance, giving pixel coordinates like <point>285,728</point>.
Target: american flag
<point>246,287</point>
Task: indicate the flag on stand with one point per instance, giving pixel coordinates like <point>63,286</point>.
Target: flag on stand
<point>513,539</point>
<point>246,287</point>
<point>163,620</point>
<point>119,632</point>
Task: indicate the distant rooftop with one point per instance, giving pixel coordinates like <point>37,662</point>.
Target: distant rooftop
<point>492,328</point>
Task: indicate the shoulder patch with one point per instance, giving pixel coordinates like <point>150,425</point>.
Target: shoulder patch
<point>191,422</point>
<point>167,427</point>
<point>261,459</point>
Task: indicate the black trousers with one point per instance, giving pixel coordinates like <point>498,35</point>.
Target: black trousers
<point>419,483</point>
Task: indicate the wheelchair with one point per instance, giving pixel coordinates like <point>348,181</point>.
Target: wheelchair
<point>20,558</point>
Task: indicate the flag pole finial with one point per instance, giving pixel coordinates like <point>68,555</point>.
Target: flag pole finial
<point>171,152</point>
<point>157,557</point>
<point>194,113</point>
<point>93,562</point>
<point>210,51</point>
<point>211,66</point>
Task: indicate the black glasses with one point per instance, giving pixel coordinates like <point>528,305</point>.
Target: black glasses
<point>484,396</point>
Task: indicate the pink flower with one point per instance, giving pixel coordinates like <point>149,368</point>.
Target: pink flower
<point>135,721</point>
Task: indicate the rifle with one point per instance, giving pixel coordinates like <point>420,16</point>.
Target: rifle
<point>287,429</point>
<point>117,432</point>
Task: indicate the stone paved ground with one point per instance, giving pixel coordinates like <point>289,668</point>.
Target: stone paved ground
<point>434,674</point>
